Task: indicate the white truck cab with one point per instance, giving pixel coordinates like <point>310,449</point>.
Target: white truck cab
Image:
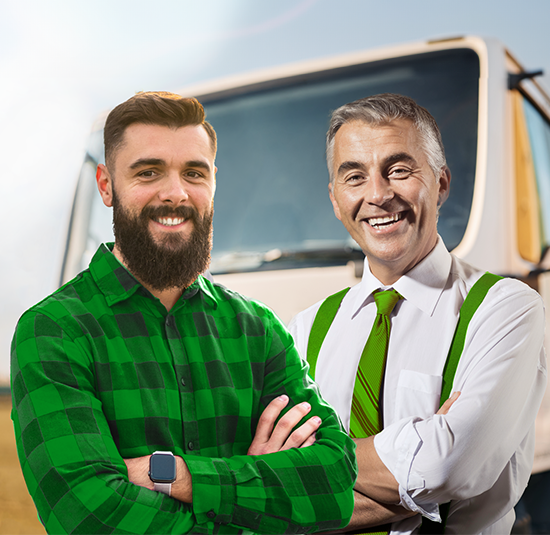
<point>275,235</point>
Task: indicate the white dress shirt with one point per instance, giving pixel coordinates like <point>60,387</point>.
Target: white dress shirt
<point>479,455</point>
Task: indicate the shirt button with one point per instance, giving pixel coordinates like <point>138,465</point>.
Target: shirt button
<point>211,514</point>
<point>191,446</point>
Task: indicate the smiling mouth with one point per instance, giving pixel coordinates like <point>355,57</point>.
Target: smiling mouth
<point>386,221</point>
<point>170,221</point>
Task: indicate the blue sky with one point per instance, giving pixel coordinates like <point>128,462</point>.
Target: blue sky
<point>65,61</point>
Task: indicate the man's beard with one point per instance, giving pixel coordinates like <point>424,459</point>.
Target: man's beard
<point>175,261</point>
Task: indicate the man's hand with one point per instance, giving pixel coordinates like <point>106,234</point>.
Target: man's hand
<point>182,488</point>
<point>138,471</point>
<point>448,404</point>
<point>269,439</point>
<point>374,479</point>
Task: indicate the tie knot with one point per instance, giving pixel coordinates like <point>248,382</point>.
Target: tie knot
<point>385,301</point>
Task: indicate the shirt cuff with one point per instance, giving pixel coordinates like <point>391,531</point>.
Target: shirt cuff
<point>213,489</point>
<point>397,447</point>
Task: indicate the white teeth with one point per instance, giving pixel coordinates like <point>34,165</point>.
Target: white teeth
<point>170,222</point>
<point>376,221</point>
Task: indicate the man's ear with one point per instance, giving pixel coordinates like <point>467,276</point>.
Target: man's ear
<point>444,185</point>
<point>335,206</point>
<point>104,184</point>
<point>214,189</point>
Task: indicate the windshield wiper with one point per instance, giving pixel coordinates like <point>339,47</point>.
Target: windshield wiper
<point>286,259</point>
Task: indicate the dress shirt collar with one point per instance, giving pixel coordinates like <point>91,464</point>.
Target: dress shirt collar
<point>118,284</point>
<point>422,285</point>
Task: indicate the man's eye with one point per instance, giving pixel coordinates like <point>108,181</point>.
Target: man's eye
<point>353,178</point>
<point>399,172</point>
<point>147,174</point>
<point>193,174</point>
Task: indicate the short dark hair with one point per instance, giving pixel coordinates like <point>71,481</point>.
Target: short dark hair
<point>154,108</point>
<point>382,109</point>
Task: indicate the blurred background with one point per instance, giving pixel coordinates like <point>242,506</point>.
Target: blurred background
<point>63,62</point>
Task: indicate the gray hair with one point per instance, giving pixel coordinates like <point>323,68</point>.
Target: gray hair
<point>379,110</point>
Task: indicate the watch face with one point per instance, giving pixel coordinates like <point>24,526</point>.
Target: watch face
<point>162,468</point>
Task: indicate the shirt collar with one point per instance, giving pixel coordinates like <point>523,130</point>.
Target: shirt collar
<point>118,284</point>
<point>422,285</point>
<point>204,287</point>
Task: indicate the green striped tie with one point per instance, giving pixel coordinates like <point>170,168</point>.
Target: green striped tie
<point>366,419</point>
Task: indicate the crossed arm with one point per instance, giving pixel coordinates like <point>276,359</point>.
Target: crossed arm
<point>268,439</point>
<point>72,462</point>
<point>376,491</point>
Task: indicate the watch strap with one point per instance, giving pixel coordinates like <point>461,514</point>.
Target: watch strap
<point>166,488</point>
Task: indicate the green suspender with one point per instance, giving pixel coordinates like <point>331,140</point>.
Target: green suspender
<point>321,324</point>
<point>474,298</point>
<point>327,312</point>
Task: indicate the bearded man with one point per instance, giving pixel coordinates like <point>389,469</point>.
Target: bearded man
<point>144,395</point>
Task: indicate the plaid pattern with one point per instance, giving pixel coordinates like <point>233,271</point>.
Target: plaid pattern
<point>101,372</point>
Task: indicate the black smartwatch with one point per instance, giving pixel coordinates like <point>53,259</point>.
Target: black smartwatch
<point>162,471</point>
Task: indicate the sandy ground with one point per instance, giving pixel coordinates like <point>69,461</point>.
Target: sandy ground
<point>17,511</point>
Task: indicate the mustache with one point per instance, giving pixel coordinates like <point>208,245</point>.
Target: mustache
<point>186,212</point>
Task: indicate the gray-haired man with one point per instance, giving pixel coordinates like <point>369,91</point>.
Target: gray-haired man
<point>388,179</point>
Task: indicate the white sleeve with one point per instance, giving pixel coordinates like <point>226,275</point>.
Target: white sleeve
<point>489,429</point>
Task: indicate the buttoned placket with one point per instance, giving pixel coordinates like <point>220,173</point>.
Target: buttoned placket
<point>174,321</point>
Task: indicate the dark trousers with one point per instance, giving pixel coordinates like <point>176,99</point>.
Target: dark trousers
<point>533,510</point>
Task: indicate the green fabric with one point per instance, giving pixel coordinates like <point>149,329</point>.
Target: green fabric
<point>101,372</point>
<point>476,295</point>
<point>323,320</point>
<point>365,417</point>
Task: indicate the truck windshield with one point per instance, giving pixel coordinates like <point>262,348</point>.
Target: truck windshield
<point>272,209</point>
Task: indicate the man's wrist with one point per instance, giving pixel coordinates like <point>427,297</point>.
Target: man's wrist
<point>182,488</point>
<point>162,471</point>
<point>375,479</point>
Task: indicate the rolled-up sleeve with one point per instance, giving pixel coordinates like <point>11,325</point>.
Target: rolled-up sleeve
<point>488,433</point>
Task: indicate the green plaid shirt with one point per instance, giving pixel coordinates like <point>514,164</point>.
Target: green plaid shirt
<point>101,372</point>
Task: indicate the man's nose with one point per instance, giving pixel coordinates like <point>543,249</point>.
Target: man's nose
<point>379,189</point>
<point>173,189</point>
